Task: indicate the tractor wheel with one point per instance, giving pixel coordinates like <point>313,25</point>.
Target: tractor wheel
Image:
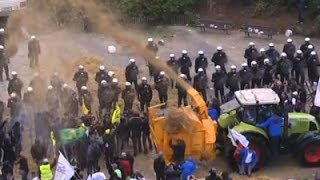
<point>310,154</point>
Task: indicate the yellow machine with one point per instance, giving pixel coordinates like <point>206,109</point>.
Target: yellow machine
<point>200,144</point>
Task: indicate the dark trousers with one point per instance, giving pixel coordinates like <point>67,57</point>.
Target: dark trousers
<point>159,176</point>
<point>163,97</point>
<point>244,85</point>
<point>203,93</point>
<point>136,141</point>
<point>256,83</point>
<point>300,77</point>
<point>186,71</point>
<point>4,67</point>
<point>182,97</point>
<point>275,145</point>
<point>145,138</point>
<point>34,61</point>
<point>217,91</point>
<point>284,77</point>
<point>135,82</point>
<point>143,104</point>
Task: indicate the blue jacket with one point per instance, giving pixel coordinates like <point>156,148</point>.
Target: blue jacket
<point>244,153</point>
<point>214,114</point>
<point>188,168</point>
<point>274,125</point>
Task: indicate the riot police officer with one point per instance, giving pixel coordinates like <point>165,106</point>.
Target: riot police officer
<point>15,84</point>
<point>128,95</point>
<point>298,67</point>
<point>245,76</point>
<point>219,81</point>
<point>116,91</point>
<point>219,58</point>
<point>101,75</point>
<point>289,48</point>
<point>15,106</point>
<point>153,48</point>
<point>305,45</point>
<point>110,76</point>
<point>57,83</point>
<point>105,97</point>
<point>132,72</point>
<point>174,65</point>
<point>251,53</point>
<point>4,61</point>
<point>162,85</point>
<point>182,92</point>
<point>29,97</point>
<point>261,57</point>
<point>185,64</point>
<point>81,78</point>
<point>201,62</point>
<point>52,99</point>
<point>34,51</point>
<point>307,53</point>
<point>144,94</point>
<point>2,37</point>
<point>312,64</point>
<point>200,83</point>
<point>283,67</point>
<point>272,54</point>
<point>257,75</point>
<point>233,80</point>
<point>268,73</point>
<point>85,98</point>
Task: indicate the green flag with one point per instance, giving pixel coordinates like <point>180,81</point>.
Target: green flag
<point>72,135</point>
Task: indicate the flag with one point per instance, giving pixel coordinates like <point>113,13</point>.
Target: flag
<point>235,136</point>
<point>116,115</point>
<point>72,135</point>
<point>64,170</point>
<point>317,97</point>
<point>85,110</point>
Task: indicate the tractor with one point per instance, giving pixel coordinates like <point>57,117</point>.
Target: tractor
<point>301,131</point>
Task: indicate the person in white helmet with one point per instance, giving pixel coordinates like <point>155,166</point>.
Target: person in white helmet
<point>153,48</point>
<point>4,61</point>
<point>29,97</point>
<point>220,58</point>
<point>257,75</point>
<point>111,75</point>
<point>307,53</point>
<point>245,76</point>
<point>132,72</point>
<point>15,105</point>
<point>52,99</point>
<point>251,53</point>
<point>312,67</point>
<point>290,49</point>
<point>200,83</point>
<point>233,80</point>
<point>101,75</point>
<point>182,92</point>
<point>85,100</point>
<point>57,82</point>
<point>116,91</point>
<point>201,62</point>
<point>219,79</point>
<point>174,65</point>
<point>34,51</point>
<point>283,68</point>
<point>81,78</point>
<point>261,57</point>
<point>298,65</point>
<point>272,54</point>
<point>268,73</point>
<point>185,64</point>
<point>105,96</point>
<point>304,46</point>
<point>128,95</point>
<point>162,86</point>
<point>69,101</point>
<point>2,36</point>
<point>15,84</point>
<point>144,93</point>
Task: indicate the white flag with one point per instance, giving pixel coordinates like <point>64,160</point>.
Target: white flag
<point>235,136</point>
<point>317,97</point>
<point>64,170</point>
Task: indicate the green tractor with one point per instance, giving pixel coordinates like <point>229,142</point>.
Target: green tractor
<point>301,131</point>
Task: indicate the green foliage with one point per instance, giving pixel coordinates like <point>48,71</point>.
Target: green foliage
<point>162,11</point>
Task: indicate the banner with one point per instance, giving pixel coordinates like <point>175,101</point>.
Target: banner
<point>72,135</point>
<point>85,110</point>
<point>317,97</point>
<point>235,136</point>
<point>64,170</point>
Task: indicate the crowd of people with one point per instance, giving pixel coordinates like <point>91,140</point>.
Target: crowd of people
<point>55,106</point>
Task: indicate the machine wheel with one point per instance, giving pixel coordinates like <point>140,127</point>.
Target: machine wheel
<point>310,154</point>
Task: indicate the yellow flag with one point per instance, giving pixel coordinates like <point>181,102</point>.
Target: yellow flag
<point>85,110</point>
<point>53,139</point>
<point>116,115</point>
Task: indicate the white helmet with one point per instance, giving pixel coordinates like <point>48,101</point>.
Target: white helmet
<point>251,44</point>
<point>128,84</point>
<point>262,50</point>
<point>103,82</point>
<point>307,39</point>
<point>36,74</point>
<point>14,73</point>
<point>132,60</point>
<point>233,67</point>
<point>184,51</point>
<point>162,73</point>
<point>55,73</point>
<point>101,68</point>
<point>295,93</point>
<point>218,67</point>
<point>13,95</point>
<point>289,40</point>
<point>244,64</point>
<point>29,89</point>
<point>200,52</point>
<point>50,87</point>
<point>150,40</point>
<point>33,37</point>
<point>65,85</point>
<point>80,67</point>
<point>271,45</point>
<point>299,51</point>
<point>182,75</point>
<point>157,57</point>
<point>45,160</point>
<point>310,46</point>
<point>84,88</point>
<point>200,70</point>
<point>1,30</point>
<point>266,61</point>
<point>313,53</point>
<point>110,73</point>
<point>283,54</point>
<point>219,48</point>
<point>254,63</point>
<point>171,55</point>
<point>115,80</point>
<point>143,78</point>
<point>1,47</point>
